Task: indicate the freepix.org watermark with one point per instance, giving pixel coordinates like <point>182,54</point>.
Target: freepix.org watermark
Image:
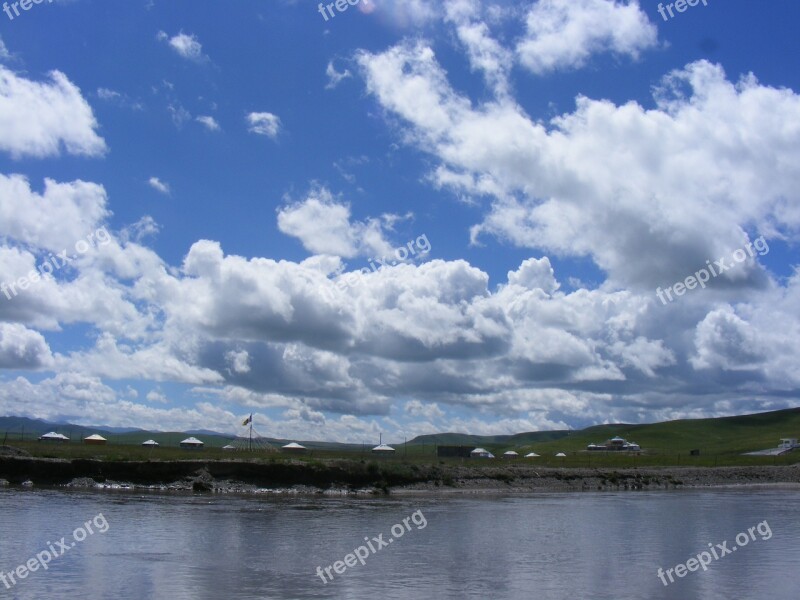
<point>680,6</point>
<point>360,554</point>
<point>704,558</point>
<point>401,253</point>
<point>23,4</point>
<point>54,550</point>
<point>339,5</point>
<point>54,263</point>
<point>705,274</point>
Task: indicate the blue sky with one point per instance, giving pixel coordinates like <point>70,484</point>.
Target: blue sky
<point>228,172</point>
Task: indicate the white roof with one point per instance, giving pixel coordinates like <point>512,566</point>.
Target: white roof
<point>150,443</point>
<point>531,455</point>
<point>293,446</point>
<point>96,437</point>
<point>229,447</point>
<point>383,448</point>
<point>54,436</point>
<point>192,440</point>
<point>560,454</point>
<point>480,451</point>
<point>510,453</point>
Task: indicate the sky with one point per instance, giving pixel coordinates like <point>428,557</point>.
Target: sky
<point>404,217</point>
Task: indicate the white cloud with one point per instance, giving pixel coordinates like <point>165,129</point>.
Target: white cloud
<point>264,123</point>
<point>324,226</point>
<point>186,45</point>
<point>22,348</point>
<point>159,186</point>
<point>55,219</point>
<point>209,122</point>
<point>565,34</point>
<point>4,53</point>
<point>649,195</point>
<point>334,76</point>
<point>239,361</point>
<point>485,53</point>
<point>430,411</point>
<point>39,118</point>
<point>404,13</point>
<point>179,114</point>
<point>157,396</point>
<point>107,94</point>
<point>118,98</point>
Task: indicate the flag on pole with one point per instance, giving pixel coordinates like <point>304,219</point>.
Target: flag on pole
<point>248,420</point>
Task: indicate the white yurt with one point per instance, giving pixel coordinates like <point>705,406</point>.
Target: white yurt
<point>561,455</point>
<point>150,444</point>
<point>97,440</point>
<point>481,453</point>
<point>294,448</point>
<point>510,454</point>
<point>53,437</point>
<point>531,455</point>
<point>383,449</point>
<point>192,443</point>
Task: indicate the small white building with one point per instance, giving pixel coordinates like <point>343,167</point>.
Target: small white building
<point>383,449</point>
<point>510,454</point>
<point>150,444</point>
<point>561,455</point>
<point>294,448</point>
<point>53,437</point>
<point>96,440</point>
<point>229,447</point>
<point>192,443</point>
<point>481,453</point>
<point>531,455</point>
<point>788,443</point>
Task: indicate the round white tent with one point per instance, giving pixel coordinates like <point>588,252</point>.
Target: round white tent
<point>383,449</point>
<point>97,440</point>
<point>481,453</point>
<point>150,444</point>
<point>192,443</point>
<point>294,447</point>
<point>510,454</point>
<point>53,437</point>
<point>532,455</point>
<point>561,455</point>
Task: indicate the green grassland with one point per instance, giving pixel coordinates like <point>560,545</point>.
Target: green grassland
<point>721,442</point>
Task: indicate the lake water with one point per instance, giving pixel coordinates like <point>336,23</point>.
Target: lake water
<point>590,545</point>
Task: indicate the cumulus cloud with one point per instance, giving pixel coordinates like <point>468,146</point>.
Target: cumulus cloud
<point>566,34</point>
<point>485,54</point>
<point>38,119</point>
<point>22,348</point>
<point>614,183</point>
<point>324,226</point>
<point>264,123</point>
<point>54,219</point>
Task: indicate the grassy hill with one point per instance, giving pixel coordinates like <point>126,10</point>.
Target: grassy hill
<point>720,441</point>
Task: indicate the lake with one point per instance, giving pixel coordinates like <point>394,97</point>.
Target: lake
<point>582,545</point>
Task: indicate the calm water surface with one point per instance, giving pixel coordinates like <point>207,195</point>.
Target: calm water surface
<point>595,545</point>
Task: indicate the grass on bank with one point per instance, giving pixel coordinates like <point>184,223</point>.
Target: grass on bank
<point>721,442</point>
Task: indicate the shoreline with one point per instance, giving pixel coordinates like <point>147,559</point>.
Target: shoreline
<point>343,477</point>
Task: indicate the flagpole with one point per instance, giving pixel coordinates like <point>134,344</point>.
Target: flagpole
<point>251,433</point>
